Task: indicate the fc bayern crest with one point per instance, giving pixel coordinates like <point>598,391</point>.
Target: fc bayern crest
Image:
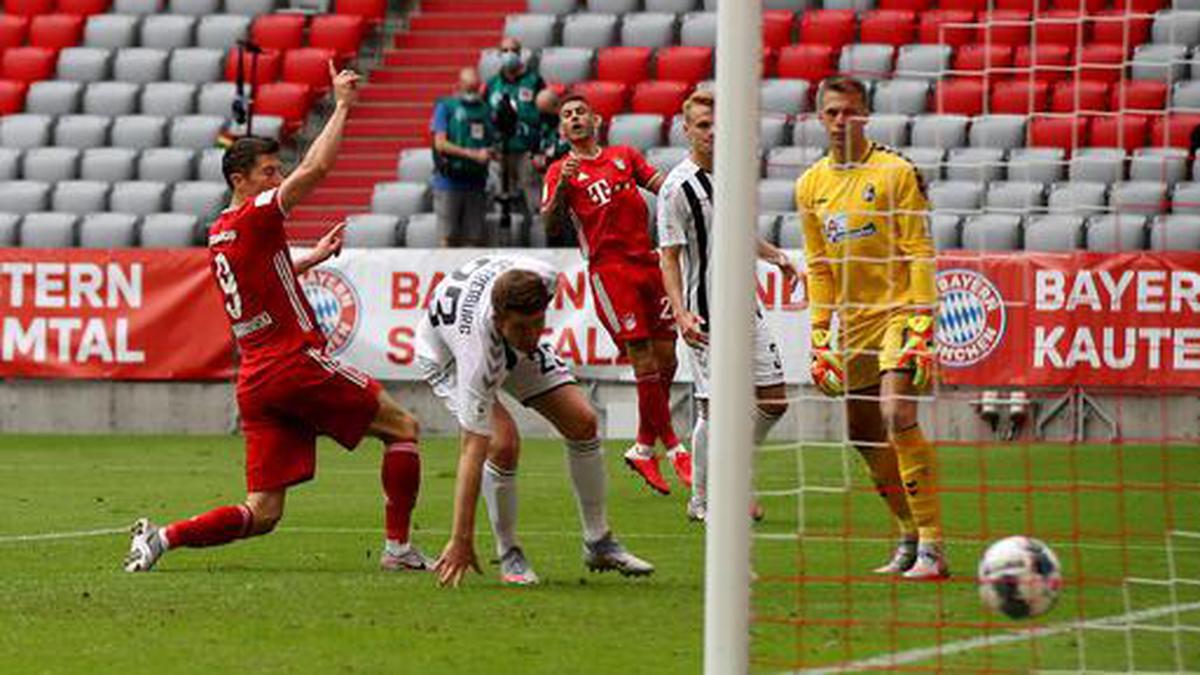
<point>336,304</point>
<point>971,320</point>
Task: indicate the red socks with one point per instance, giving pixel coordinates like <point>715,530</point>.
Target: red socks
<point>654,411</point>
<point>219,526</point>
<point>401,477</point>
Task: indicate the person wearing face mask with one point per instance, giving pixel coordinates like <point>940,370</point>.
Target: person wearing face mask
<point>463,137</point>
<point>514,90</point>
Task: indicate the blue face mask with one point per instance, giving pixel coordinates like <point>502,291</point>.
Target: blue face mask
<point>510,60</point>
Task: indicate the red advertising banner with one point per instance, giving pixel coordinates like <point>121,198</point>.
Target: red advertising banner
<point>123,314</point>
<point>1060,319</point>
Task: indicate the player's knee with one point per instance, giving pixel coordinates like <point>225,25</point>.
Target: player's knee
<point>773,408</point>
<point>504,452</point>
<point>583,427</point>
<point>898,415</point>
<point>266,515</point>
<point>397,424</point>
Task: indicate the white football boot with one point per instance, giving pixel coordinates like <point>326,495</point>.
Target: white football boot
<point>515,570</point>
<point>931,564</point>
<point>145,546</point>
<point>608,554</point>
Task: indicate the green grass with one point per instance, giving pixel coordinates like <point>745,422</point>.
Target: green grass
<point>309,598</point>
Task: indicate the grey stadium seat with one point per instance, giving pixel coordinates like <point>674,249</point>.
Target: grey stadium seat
<point>110,164</point>
<point>648,29</point>
<point>776,195</point>
<point>975,164</point>
<point>1144,197</point>
<point>421,231</point>
<point>416,165</point>
<point>612,6</point>
<point>589,30</point>
<point>168,99</point>
<point>783,96</point>
<point>675,135</point>
<point>195,131</point>
<point>808,131</point>
<point>1186,94</point>
<point>1116,232</point>
<point>108,230</point>
<point>168,230</point>
<point>111,98</point>
<point>866,61</point>
<point>1176,232</point>
<point>535,31</point>
<point>54,97</point>
<point>891,130</point>
<point>551,6</point>
<point>24,196</point>
<point>48,230</point>
<point>956,196</point>
<point>1185,198</point>
<point>80,197</point>
<point>992,232</point>
<point>856,5</point>
<point>922,61</point>
<point>194,7</point>
<point>1016,196</point>
<point>82,131</point>
<point>371,230</point>
<point>199,198</point>
<point>169,165</point>
<point>51,164</point>
<point>998,131</point>
<point>10,163</point>
<point>221,31</point>
<point>250,7</point>
<point>698,29</point>
<point>672,6</point>
<point>138,131</point>
<point>1056,232</point>
<point>940,131</point>
<point>772,131</point>
<point>84,64</point>
<point>566,65</point>
<point>111,31</point>
<point>791,231</point>
<point>9,229</point>
<point>196,65</point>
<point>25,131</point>
<point>1097,165</point>
<point>1176,27</point>
<point>140,64</point>
<point>1168,165</point>
<point>640,131</point>
<point>901,97</point>
<point>400,199</point>
<point>138,197</point>
<point>138,6</point>
<point>928,160</point>
<point>216,98</point>
<point>664,158</point>
<point>1083,198</point>
<point>208,168</point>
<point>790,161</point>
<point>1039,165</point>
<point>1159,62</point>
<point>946,229</point>
<point>168,31</point>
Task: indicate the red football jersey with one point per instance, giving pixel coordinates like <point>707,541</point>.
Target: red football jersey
<point>267,309</point>
<point>606,206</point>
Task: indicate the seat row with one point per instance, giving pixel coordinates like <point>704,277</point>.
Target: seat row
<point>196,132</point>
<point>168,165</point>
<point>561,7</point>
<point>141,197</point>
<point>99,230</point>
<point>373,11</point>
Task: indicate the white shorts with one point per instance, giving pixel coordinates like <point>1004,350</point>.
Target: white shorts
<point>768,365</point>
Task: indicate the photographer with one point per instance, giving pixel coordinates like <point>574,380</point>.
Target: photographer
<point>511,95</point>
<point>462,148</point>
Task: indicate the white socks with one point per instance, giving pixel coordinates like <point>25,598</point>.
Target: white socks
<point>700,457</point>
<point>499,488</point>
<point>585,461</point>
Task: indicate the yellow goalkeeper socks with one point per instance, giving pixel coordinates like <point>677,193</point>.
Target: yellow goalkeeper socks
<point>920,481</point>
<point>885,472</point>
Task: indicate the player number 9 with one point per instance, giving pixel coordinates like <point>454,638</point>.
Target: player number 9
<point>229,286</point>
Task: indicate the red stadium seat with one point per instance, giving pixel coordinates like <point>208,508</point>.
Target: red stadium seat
<point>13,30</point>
<point>1101,62</point>
<point>83,7</point>
<point>278,31</point>
<point>623,64</point>
<point>917,6</point>
<point>372,11</point>
<point>56,31</point>
<point>1175,130</point>
<point>959,96</point>
<point>1082,95</point>
<point>1005,27</point>
<point>777,28</point>
<point>964,5</point>
<point>284,99</point>
<point>1114,26</point>
<point>1139,95</point>
<point>659,97</point>
<point>933,28</point>
<point>769,56</point>
<point>267,71</point>
<point>1067,133</point>
<point>1021,5</point>
<point>986,59</point>
<point>1085,6</point>
<point>1050,63</point>
<point>888,26</point>
<point>828,26</point>
<point>606,98</point>
<point>308,66</point>
<point>1123,131</point>
<point>12,96</point>
<point>688,64</point>
<point>342,34</point>
<point>1058,27</point>
<point>1141,6</point>
<point>29,64</point>
<point>1020,97</point>
<point>813,62</point>
<point>28,7</point>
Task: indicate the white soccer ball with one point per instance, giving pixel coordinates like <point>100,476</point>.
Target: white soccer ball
<point>1019,577</point>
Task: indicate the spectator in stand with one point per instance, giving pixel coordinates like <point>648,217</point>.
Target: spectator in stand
<point>511,94</point>
<point>462,149</point>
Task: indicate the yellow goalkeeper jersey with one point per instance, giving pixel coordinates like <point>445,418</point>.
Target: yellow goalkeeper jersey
<point>866,238</point>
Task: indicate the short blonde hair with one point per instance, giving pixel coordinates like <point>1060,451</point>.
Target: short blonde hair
<point>700,97</point>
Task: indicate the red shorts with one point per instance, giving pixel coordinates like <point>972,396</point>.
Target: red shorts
<point>631,302</point>
<point>285,410</point>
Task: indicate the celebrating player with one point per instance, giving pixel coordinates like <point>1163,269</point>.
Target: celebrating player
<point>483,333</point>
<point>289,390</point>
<point>685,233</point>
<point>871,260</point>
<point>596,189</point>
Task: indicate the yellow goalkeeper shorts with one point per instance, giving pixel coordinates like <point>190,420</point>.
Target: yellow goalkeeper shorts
<point>872,346</point>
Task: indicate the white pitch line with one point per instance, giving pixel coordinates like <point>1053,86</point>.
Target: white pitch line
<point>960,646</point>
<point>47,536</point>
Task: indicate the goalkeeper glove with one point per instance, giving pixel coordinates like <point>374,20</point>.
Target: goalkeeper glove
<point>917,353</point>
<point>827,370</point>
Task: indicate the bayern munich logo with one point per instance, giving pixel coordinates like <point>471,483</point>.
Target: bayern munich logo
<point>336,304</point>
<point>971,320</point>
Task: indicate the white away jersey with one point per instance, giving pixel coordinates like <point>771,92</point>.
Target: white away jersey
<point>685,219</point>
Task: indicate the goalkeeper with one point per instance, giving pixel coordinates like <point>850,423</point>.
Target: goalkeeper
<point>871,260</point>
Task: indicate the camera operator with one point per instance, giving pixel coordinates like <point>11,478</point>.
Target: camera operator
<point>462,149</point>
<point>511,95</point>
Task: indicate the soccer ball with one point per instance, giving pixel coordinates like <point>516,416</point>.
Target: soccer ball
<point>1019,577</point>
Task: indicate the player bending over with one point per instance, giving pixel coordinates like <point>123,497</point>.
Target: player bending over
<point>289,390</point>
<point>596,190</point>
<point>483,333</point>
<point>871,260</point>
<point>685,233</point>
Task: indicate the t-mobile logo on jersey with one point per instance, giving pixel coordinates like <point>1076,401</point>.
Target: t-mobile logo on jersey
<point>600,192</point>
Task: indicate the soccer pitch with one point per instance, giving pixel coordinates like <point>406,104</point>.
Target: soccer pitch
<point>310,598</point>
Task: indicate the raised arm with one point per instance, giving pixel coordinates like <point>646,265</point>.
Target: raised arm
<point>318,161</point>
<point>556,211</point>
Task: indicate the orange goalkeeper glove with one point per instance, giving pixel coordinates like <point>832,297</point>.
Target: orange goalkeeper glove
<point>827,371</point>
<point>918,353</point>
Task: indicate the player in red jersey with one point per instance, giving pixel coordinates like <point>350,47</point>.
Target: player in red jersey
<point>289,390</point>
<point>596,190</point>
